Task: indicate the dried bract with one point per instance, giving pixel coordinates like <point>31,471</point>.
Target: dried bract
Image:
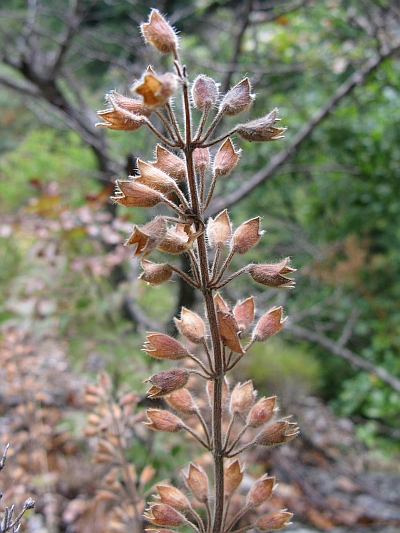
<point>229,330</point>
<point>156,90</point>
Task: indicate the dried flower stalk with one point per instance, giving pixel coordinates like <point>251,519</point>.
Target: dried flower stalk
<point>185,156</point>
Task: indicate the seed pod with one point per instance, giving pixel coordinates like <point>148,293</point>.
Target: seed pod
<point>155,273</point>
<point>162,346</point>
<point>261,129</point>
<point>170,163</point>
<point>155,178</point>
<point>219,230</point>
<point>161,420</point>
<point>220,303</point>
<point>233,477</point>
<point>242,398</point>
<point>238,99</point>
<point>226,159</point>
<point>272,274</point>
<point>173,497</point>
<point>166,382</point>
<point>129,104</point>
<point>244,313</point>
<point>156,90</point>
<point>277,433</point>
<point>261,491</point>
<point>146,238</point>
<point>246,236</point>
<point>161,514</point>
<point>176,241</point>
<point>229,331</point>
<point>133,194</point>
<point>201,159</point>
<point>204,92</point>
<point>159,33</point>
<point>274,521</point>
<point>191,325</point>
<point>117,118</point>
<point>197,481</point>
<point>182,401</point>
<point>269,324</point>
<point>262,412</point>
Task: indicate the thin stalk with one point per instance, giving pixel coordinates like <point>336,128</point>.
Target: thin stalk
<point>160,135</point>
<point>194,265</point>
<point>219,139</point>
<point>198,519</point>
<point>210,191</point>
<point>203,121</point>
<point>224,267</point>
<point>230,278</point>
<point>196,360</point>
<point>174,123</point>
<point>228,432</point>
<point>197,437</point>
<point>205,428</point>
<point>215,264</point>
<point>166,124</point>
<point>211,127</point>
<point>205,345</point>
<point>238,437</point>
<point>184,276</point>
<point>237,516</point>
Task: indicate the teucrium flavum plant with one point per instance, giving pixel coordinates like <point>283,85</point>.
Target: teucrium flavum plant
<point>183,178</point>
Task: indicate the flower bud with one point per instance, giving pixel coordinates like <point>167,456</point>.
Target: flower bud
<point>182,401</point>
<point>155,273</point>
<point>220,303</point>
<point>170,163</point>
<point>166,382</point>
<point>229,331</point>
<point>242,398</point>
<point>201,159</point>
<point>225,159</point>
<point>204,92</point>
<point>246,236</point>
<point>262,412</point>
<point>197,482</point>
<point>238,99</point>
<point>117,118</point>
<point>162,346</point>
<point>277,433</point>
<point>272,274</point>
<point>161,514</point>
<point>261,129</point>
<point>261,491</point>
<point>155,178</point>
<point>129,104</point>
<point>244,313</point>
<point>148,237</point>
<point>269,324</point>
<point>156,90</point>
<point>219,230</point>
<point>161,420</point>
<point>173,497</point>
<point>274,521</point>
<point>159,33</point>
<point>133,194</point>
<point>233,477</point>
<point>191,326</point>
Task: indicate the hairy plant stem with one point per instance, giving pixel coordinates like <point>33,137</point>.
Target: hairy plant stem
<point>217,445</point>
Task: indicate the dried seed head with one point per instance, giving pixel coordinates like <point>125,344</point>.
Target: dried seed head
<point>133,194</point>
<point>238,99</point>
<point>159,33</point>
<point>225,159</point>
<point>277,433</point>
<point>148,237</point>
<point>220,303</point>
<point>166,382</point>
<point>155,178</point>
<point>244,313</point>
<point>182,401</point>
<point>201,159</point>
<point>246,236</point>
<point>242,398</point>
<point>274,521</point>
<point>173,497</point>
<point>129,104</point>
<point>269,324</point>
<point>197,481</point>
<point>156,90</point>
<point>272,274</point>
<point>204,92</point>
<point>161,420</point>
<point>262,412</point>
<point>210,391</point>
<point>118,118</point>
<point>155,273</point>
<point>191,326</point>
<point>261,129</point>
<point>162,346</point>
<point>170,163</point>
<point>161,514</point>
<point>229,331</point>
<point>233,477</point>
<point>261,491</point>
<point>219,230</point>
<point>176,241</point>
